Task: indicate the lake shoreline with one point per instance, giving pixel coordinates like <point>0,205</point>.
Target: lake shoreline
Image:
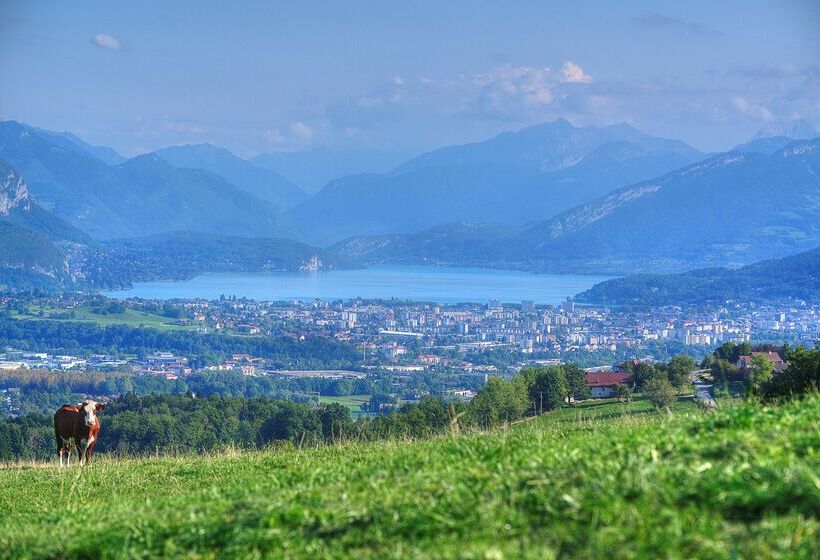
<point>445,285</point>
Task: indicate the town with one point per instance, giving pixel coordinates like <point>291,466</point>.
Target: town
<point>395,341</point>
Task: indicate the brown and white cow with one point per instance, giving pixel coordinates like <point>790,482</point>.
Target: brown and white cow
<point>77,425</point>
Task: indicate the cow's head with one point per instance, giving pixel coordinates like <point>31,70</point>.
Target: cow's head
<point>90,410</point>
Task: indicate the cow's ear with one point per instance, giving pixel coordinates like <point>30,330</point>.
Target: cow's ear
<point>100,406</point>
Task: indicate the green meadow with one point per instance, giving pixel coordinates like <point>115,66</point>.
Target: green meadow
<point>600,481</point>
<point>129,317</point>
<point>352,402</point>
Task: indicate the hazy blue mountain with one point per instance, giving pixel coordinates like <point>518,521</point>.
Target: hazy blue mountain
<point>457,243</point>
<point>258,181</point>
<point>72,142</point>
<point>731,209</point>
<point>106,154</point>
<point>549,147</point>
<point>142,196</point>
<point>313,169</point>
<point>768,145</point>
<point>796,277</point>
<point>39,250</point>
<point>511,179</point>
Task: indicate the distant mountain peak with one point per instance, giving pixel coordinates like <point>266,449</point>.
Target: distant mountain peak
<point>203,148</point>
<point>795,128</point>
<point>258,181</point>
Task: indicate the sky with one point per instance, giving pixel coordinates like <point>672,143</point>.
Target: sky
<point>404,76</point>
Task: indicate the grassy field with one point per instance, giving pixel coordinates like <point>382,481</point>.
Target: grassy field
<point>352,402</point>
<point>588,482</point>
<point>129,317</point>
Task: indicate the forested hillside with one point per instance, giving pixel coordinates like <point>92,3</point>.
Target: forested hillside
<point>795,277</point>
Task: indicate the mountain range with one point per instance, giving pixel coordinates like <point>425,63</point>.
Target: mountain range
<point>141,196</point>
<point>730,209</point>
<point>258,181</point>
<point>40,250</point>
<point>513,178</point>
<point>551,197</point>
<point>313,169</point>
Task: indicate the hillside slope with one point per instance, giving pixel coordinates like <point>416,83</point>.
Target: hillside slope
<point>737,483</point>
<point>792,277</point>
<point>32,240</point>
<point>182,255</point>
<point>731,209</point>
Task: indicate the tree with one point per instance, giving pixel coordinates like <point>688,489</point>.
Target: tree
<point>724,371</point>
<point>660,392</point>
<point>643,373</point>
<point>742,349</point>
<point>335,421</point>
<point>760,372</point>
<point>500,401</point>
<point>624,393</point>
<point>577,385</point>
<point>801,376</point>
<point>679,370</point>
<point>548,389</point>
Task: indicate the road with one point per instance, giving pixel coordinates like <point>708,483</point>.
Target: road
<point>703,391</point>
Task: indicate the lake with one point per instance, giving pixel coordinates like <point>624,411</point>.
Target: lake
<point>417,283</point>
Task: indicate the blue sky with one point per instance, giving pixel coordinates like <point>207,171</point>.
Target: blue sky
<point>404,76</point>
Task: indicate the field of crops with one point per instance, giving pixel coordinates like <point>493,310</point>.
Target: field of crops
<point>586,483</point>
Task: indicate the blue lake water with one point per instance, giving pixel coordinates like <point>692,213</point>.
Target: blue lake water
<point>418,283</point>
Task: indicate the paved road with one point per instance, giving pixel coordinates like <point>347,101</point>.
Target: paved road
<point>704,391</point>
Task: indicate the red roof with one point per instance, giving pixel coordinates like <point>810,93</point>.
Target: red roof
<point>607,378</point>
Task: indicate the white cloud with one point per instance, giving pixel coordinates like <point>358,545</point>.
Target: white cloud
<point>273,137</point>
<point>296,136</point>
<point>106,42</point>
<point>506,90</point>
<point>754,110</point>
<point>301,132</point>
<point>573,74</point>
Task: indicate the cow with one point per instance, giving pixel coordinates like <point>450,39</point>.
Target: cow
<point>75,424</point>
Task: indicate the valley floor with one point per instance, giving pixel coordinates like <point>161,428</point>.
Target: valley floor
<point>593,482</point>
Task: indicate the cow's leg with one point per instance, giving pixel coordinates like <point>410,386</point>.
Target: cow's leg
<point>89,450</point>
<point>68,456</point>
<point>59,445</point>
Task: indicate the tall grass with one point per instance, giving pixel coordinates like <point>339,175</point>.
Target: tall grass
<point>738,483</point>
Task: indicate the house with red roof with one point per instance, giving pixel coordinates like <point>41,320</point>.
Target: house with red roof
<point>603,384</point>
<point>745,362</point>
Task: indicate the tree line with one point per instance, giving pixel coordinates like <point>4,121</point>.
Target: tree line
<point>42,391</point>
<point>137,425</point>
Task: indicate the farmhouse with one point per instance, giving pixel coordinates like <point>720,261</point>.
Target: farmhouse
<point>604,384</point>
<point>745,362</point>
